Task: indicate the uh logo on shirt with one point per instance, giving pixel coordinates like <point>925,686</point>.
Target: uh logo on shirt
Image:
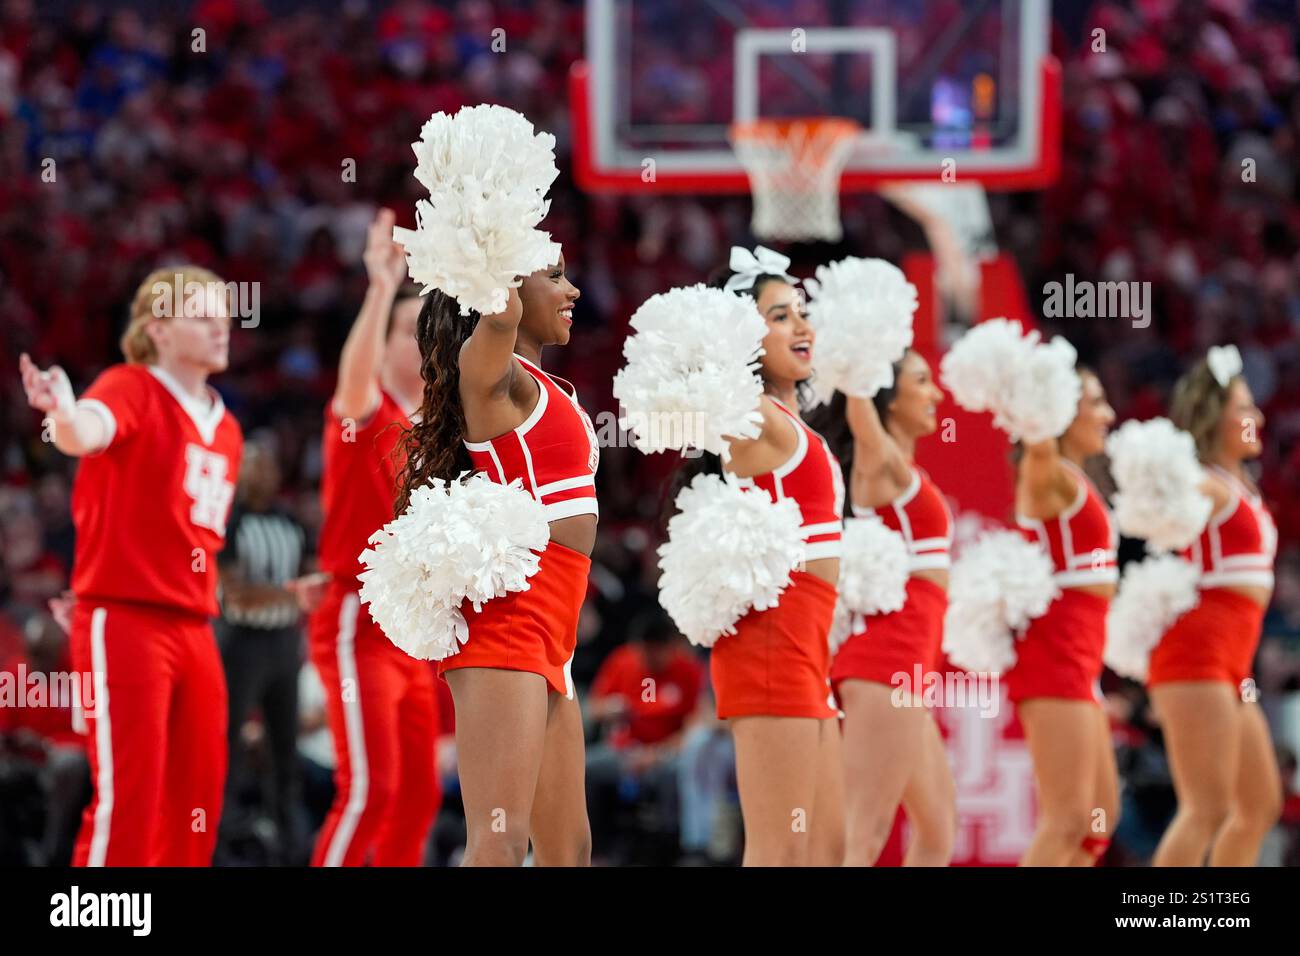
<point>210,491</point>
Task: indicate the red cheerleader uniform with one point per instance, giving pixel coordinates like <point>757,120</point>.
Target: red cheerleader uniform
<point>900,641</point>
<point>555,454</point>
<point>777,664</point>
<point>1217,639</point>
<point>380,703</point>
<point>1060,654</point>
<point>150,511</point>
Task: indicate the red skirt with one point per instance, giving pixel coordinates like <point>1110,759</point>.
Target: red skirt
<point>898,642</point>
<point>534,630</point>
<point>777,663</point>
<point>1214,641</point>
<point>1060,653</point>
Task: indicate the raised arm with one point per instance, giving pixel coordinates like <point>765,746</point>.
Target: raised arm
<point>877,459</point>
<point>1048,486</point>
<point>356,395</point>
<point>77,429</point>
<point>487,357</point>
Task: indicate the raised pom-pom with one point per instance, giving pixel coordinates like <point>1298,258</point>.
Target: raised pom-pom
<point>459,541</point>
<point>1031,387</point>
<point>873,576</point>
<point>862,311</point>
<point>487,172</point>
<point>1152,595</point>
<point>729,549</point>
<point>692,371</point>
<point>1158,478</point>
<point>997,586</point>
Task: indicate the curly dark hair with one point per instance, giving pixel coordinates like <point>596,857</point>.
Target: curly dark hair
<point>433,446</point>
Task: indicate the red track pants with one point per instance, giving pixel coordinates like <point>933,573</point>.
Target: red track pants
<point>382,711</point>
<point>157,735</point>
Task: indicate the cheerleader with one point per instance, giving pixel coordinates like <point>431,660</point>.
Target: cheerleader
<point>160,453</point>
<point>1220,753</point>
<point>1054,683</point>
<point>380,703</point>
<point>893,750</point>
<point>457,577</point>
<point>488,406</point>
<point>1057,596</point>
<point>770,671</point>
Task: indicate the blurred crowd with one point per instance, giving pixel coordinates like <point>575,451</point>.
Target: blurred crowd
<point>257,139</point>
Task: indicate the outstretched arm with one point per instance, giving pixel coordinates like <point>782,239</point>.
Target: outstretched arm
<point>78,429</point>
<point>356,395</point>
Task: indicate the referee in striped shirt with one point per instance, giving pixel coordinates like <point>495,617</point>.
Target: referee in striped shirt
<point>261,645</point>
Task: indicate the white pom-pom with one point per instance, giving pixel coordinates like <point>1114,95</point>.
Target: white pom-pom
<point>997,586</point>
<point>692,371</point>
<point>862,310</point>
<point>487,173</point>
<point>873,575</point>
<point>1152,595</point>
<point>729,549</point>
<point>1158,480</point>
<point>1031,387</point>
<point>471,540</point>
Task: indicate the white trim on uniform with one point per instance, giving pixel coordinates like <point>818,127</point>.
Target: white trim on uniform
<point>801,449</point>
<point>102,824</point>
<point>823,549</point>
<point>1218,579</point>
<point>909,492</point>
<point>826,527</point>
<point>930,544</point>
<point>566,484</point>
<point>106,415</point>
<point>354,730</point>
<point>574,506</point>
<point>205,420</point>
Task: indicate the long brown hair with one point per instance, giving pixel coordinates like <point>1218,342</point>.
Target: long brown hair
<point>434,447</point>
<point>1197,407</point>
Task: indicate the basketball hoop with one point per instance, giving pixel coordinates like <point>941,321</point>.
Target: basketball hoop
<point>794,168</point>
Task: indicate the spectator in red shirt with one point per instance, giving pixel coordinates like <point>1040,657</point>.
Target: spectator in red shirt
<point>641,699</point>
<point>42,755</point>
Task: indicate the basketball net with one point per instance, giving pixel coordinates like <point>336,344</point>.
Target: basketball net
<point>794,168</point>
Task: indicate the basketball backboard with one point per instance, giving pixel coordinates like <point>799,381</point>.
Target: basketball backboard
<point>966,85</point>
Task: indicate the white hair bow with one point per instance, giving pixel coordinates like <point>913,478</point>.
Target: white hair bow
<point>1224,362</point>
<point>748,266</point>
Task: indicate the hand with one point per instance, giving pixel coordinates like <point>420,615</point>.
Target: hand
<point>309,590</point>
<point>61,610</point>
<point>385,259</point>
<point>513,311</point>
<point>47,391</point>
